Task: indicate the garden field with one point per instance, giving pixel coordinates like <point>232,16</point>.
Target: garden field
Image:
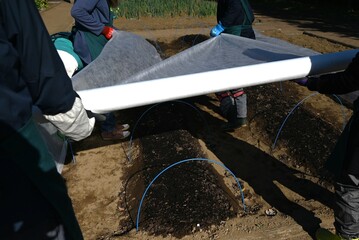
<point>181,177</point>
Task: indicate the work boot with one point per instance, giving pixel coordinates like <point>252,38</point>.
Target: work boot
<point>234,124</point>
<point>120,132</point>
<point>324,234</point>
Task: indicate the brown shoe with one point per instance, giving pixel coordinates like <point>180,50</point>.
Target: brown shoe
<point>122,127</point>
<point>118,133</point>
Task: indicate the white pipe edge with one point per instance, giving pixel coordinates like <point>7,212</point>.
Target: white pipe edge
<point>107,99</point>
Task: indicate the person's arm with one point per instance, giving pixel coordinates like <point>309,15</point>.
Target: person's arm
<point>41,69</point>
<point>81,12</point>
<point>337,83</point>
<point>233,13</point>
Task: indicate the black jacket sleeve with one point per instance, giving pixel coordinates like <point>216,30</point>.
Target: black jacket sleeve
<point>230,12</point>
<point>337,83</point>
<point>40,67</point>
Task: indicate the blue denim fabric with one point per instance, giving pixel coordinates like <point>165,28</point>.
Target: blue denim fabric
<point>110,123</point>
<point>241,106</point>
<point>233,108</point>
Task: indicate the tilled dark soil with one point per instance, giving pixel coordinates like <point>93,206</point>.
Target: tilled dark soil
<point>278,160</point>
<point>192,195</point>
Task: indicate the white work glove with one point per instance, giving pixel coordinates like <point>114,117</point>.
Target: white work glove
<point>75,123</point>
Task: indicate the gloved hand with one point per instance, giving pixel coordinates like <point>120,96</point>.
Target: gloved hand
<point>75,123</point>
<point>108,32</point>
<point>301,81</point>
<point>217,30</point>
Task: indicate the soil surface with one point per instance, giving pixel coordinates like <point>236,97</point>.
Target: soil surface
<point>180,177</point>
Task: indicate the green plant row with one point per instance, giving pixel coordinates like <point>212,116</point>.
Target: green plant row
<point>161,8</point>
<point>41,4</point>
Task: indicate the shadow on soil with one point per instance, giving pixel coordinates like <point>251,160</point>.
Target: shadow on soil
<point>341,17</point>
<point>195,193</point>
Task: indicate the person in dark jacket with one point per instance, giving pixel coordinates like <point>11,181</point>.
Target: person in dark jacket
<point>94,28</point>
<point>234,17</point>
<point>34,203</point>
<point>344,159</point>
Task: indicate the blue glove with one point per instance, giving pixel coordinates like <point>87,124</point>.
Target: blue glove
<point>217,30</point>
<point>301,81</point>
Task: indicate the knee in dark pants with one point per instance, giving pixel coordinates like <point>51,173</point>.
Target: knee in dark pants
<point>228,108</point>
<point>347,211</point>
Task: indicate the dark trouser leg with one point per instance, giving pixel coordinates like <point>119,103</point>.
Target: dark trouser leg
<point>34,203</point>
<point>25,213</point>
<point>227,105</point>
<point>347,211</point>
<point>233,105</point>
<point>110,123</point>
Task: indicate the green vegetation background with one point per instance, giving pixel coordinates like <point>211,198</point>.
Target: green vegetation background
<point>202,8</point>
